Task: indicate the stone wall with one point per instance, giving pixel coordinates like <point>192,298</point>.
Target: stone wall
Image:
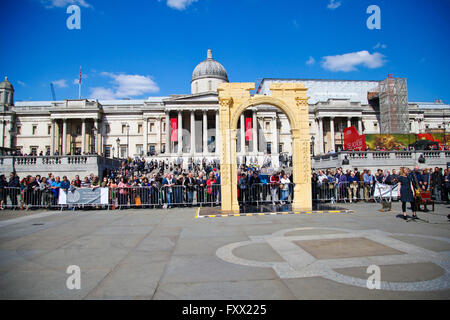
<point>58,165</point>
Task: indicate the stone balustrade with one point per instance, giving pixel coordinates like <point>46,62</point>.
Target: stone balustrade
<point>386,160</point>
<point>70,166</point>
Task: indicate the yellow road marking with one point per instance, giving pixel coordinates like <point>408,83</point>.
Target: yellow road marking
<point>197,212</point>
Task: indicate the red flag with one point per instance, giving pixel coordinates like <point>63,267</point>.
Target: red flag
<point>427,136</point>
<point>248,129</point>
<point>80,76</point>
<point>173,129</point>
<point>352,139</point>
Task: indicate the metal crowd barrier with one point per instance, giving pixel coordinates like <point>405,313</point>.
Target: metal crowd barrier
<point>348,192</point>
<point>260,193</point>
<point>118,198</point>
<point>181,196</point>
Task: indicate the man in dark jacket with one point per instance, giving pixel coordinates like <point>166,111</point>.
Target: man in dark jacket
<point>255,187</point>
<point>437,180</point>
<point>3,192</point>
<point>14,189</point>
<point>190,183</point>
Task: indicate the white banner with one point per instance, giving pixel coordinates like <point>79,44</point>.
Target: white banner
<point>84,196</point>
<point>385,191</point>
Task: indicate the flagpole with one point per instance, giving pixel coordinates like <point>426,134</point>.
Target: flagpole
<point>79,86</point>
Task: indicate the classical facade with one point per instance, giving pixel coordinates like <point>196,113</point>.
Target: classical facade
<point>121,128</point>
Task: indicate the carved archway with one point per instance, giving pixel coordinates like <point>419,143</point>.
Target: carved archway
<point>291,98</point>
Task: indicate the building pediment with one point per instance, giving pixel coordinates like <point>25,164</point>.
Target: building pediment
<point>209,97</point>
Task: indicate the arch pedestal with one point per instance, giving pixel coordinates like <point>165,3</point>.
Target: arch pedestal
<point>290,98</point>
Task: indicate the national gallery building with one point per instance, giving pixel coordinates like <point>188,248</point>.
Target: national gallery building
<point>185,126</point>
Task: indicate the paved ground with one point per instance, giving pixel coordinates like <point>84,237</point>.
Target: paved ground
<point>169,254</point>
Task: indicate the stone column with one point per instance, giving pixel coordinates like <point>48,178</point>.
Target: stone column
<point>52,142</point>
<point>332,133</point>
<point>193,148</point>
<point>255,133</point>
<point>321,140</point>
<point>99,138</point>
<point>145,133</point>
<point>349,122</point>
<point>205,132</point>
<point>275,151</point>
<point>3,133</point>
<point>64,138</point>
<point>242,133</point>
<point>180,132</point>
<point>10,133</point>
<point>168,151</point>
<point>158,135</point>
<point>217,133</point>
<point>360,126</point>
<point>83,136</point>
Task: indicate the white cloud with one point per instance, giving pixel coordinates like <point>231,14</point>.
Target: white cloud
<point>124,86</point>
<point>102,93</point>
<point>295,23</point>
<point>333,4</point>
<point>311,61</point>
<point>379,45</point>
<point>60,83</point>
<point>349,61</point>
<point>64,3</point>
<point>179,4</point>
<point>23,84</point>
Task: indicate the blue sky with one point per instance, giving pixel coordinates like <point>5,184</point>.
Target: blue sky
<point>137,48</point>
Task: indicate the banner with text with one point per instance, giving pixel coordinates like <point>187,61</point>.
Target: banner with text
<point>248,129</point>
<point>84,196</point>
<point>173,129</point>
<point>352,139</point>
<point>385,191</point>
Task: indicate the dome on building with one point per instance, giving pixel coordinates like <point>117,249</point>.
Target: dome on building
<point>5,84</point>
<point>209,68</point>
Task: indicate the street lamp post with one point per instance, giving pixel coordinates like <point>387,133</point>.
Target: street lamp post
<point>312,141</point>
<point>341,129</point>
<point>118,148</point>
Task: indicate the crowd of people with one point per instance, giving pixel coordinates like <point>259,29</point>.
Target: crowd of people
<point>157,183</point>
<point>355,185</point>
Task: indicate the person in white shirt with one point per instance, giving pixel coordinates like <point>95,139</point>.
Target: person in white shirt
<point>321,176</point>
<point>284,188</point>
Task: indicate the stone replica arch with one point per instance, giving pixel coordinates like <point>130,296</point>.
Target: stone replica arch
<point>291,98</point>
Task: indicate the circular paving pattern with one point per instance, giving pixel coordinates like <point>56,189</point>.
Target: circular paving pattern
<point>317,255</point>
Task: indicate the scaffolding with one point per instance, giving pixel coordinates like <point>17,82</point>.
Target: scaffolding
<point>394,113</point>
